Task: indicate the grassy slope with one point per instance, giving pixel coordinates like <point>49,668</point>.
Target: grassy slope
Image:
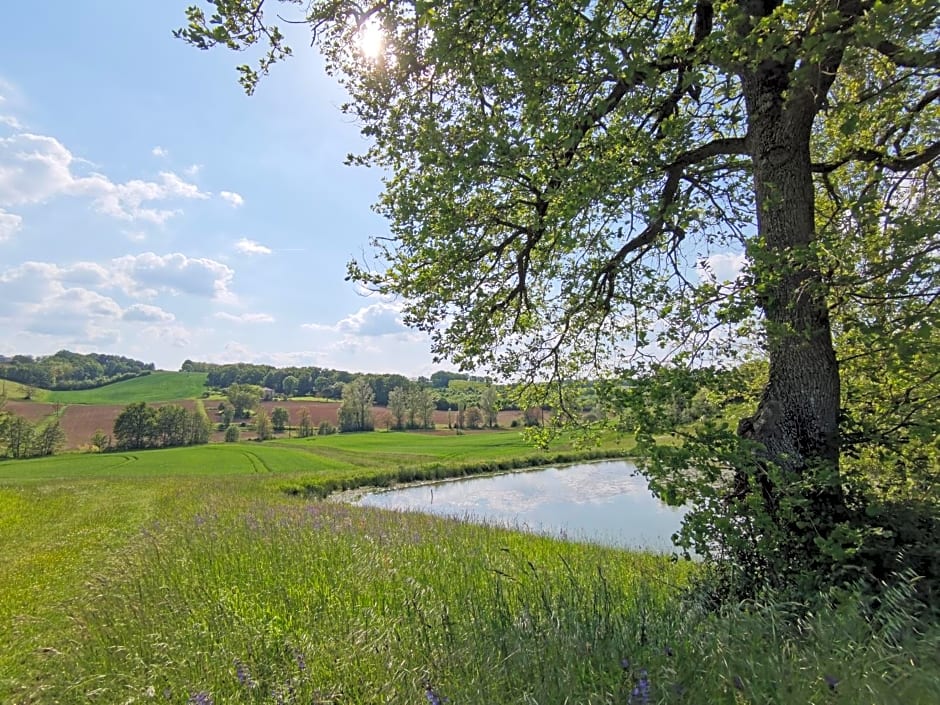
<point>171,572</point>
<point>155,387</point>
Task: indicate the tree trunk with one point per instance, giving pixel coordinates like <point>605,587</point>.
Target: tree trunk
<point>797,419</point>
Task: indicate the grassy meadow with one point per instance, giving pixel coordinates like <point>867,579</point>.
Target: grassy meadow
<point>152,388</point>
<point>190,576</point>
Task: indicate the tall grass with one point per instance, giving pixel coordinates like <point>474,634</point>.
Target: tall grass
<point>290,602</point>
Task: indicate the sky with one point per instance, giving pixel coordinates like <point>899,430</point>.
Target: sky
<point>149,208</point>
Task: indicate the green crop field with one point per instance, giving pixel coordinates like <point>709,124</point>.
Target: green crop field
<point>155,387</point>
<point>189,575</point>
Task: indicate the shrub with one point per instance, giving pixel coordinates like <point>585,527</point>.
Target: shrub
<point>231,434</point>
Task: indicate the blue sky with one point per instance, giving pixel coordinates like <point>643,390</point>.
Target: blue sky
<point>149,208</point>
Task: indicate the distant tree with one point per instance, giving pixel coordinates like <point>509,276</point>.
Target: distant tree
<point>355,413</point>
<point>172,425</point>
<point>227,414</point>
<point>398,406</point>
<point>135,426</point>
<point>48,439</point>
<point>304,425</point>
<point>99,441</point>
<point>280,418</point>
<point>421,407</point>
<point>473,417</point>
<point>231,434</point>
<point>263,426</point>
<point>289,385</point>
<point>489,406</point>
<point>200,427</point>
<point>17,436</point>
<point>532,416</point>
<point>243,398</point>
<point>326,429</point>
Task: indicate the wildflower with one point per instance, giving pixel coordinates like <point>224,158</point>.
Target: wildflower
<point>667,651</point>
<point>831,681</point>
<point>432,696</point>
<point>200,698</point>
<point>625,664</point>
<point>738,683</point>
<point>301,661</point>
<point>244,675</point>
<point>641,692</point>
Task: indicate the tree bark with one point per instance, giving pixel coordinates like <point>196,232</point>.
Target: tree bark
<point>797,419</point>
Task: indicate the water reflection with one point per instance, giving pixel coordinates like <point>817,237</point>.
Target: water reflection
<point>605,502</point>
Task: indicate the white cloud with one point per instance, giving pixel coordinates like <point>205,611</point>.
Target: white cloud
<point>148,314</point>
<point>140,276</point>
<point>159,151</point>
<point>375,320</point>
<point>250,247</point>
<point>9,224</point>
<point>148,274</point>
<point>75,312</point>
<point>721,267</point>
<point>245,317</point>
<point>174,335</point>
<point>37,168</point>
<point>10,121</point>
<point>233,198</point>
<point>192,170</point>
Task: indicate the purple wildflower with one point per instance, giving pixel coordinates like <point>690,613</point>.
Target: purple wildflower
<point>738,682</point>
<point>831,681</point>
<point>625,664</point>
<point>432,696</point>
<point>641,692</point>
<point>301,661</point>
<point>244,675</point>
<point>200,698</point>
<point>667,651</point>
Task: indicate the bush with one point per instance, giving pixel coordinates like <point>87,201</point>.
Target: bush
<point>326,428</point>
<point>231,434</point>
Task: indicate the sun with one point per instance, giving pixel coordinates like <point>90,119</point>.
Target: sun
<point>371,40</point>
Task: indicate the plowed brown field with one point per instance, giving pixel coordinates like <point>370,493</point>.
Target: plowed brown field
<point>80,421</point>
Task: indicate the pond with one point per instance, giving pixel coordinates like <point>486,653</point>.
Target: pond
<point>606,502</point>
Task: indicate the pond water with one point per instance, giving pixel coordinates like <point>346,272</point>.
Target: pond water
<point>605,502</point>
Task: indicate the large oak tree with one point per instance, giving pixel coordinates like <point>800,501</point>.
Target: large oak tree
<point>559,174</point>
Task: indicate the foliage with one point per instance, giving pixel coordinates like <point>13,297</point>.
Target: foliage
<point>99,441</point>
<point>304,424</point>
<point>355,414</point>
<point>574,172</point>
<point>280,418</point>
<point>231,434</point>
<point>67,370</point>
<point>263,426</point>
<point>243,398</point>
<point>326,429</point>
<point>289,385</point>
<point>142,426</point>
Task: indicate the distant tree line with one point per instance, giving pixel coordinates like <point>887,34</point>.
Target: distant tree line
<point>68,370</point>
<point>142,426</point>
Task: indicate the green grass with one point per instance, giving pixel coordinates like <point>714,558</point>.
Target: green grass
<point>155,387</point>
<point>161,575</point>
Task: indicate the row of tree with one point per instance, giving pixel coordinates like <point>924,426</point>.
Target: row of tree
<point>19,438</point>
<point>322,382</point>
<point>69,370</point>
<point>142,426</point>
